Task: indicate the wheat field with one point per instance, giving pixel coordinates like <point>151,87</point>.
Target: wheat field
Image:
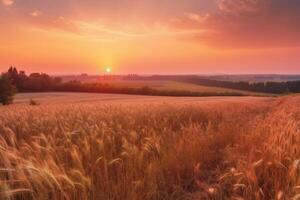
<point>178,86</point>
<point>240,150</point>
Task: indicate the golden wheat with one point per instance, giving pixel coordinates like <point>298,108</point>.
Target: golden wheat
<point>153,151</point>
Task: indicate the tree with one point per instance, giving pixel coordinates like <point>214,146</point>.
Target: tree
<point>7,90</point>
<point>13,74</point>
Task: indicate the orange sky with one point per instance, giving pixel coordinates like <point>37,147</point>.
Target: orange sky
<point>150,36</point>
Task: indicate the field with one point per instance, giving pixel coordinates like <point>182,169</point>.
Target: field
<point>120,147</point>
<point>71,97</point>
<point>175,86</point>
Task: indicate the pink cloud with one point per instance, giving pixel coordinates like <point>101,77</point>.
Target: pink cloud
<point>249,24</point>
<point>7,2</point>
<point>50,22</point>
<point>36,13</point>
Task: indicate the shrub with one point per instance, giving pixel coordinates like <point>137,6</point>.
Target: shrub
<point>33,102</point>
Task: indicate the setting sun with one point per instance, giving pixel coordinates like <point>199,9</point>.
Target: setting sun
<point>107,69</point>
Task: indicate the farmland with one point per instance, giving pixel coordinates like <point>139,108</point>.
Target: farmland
<point>74,97</point>
<point>116,147</point>
<point>180,86</point>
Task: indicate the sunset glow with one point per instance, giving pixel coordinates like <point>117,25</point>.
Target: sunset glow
<point>151,36</point>
<point>107,69</point>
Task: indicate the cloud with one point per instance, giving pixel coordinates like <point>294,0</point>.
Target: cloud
<point>217,23</point>
<point>50,22</point>
<point>36,13</point>
<point>249,24</point>
<point>7,2</point>
<point>196,17</point>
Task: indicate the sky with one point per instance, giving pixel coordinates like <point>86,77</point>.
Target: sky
<point>151,36</point>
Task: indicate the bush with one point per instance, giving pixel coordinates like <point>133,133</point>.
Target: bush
<point>33,102</point>
<point>7,90</point>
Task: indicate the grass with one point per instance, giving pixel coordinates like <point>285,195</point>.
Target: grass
<point>246,149</point>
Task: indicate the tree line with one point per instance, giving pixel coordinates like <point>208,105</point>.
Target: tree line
<point>264,87</point>
<point>14,81</point>
<point>272,87</point>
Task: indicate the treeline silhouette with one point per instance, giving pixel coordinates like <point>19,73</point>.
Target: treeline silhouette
<point>35,82</point>
<point>41,82</point>
<point>264,87</point>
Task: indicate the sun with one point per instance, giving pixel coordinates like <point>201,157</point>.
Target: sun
<point>107,69</point>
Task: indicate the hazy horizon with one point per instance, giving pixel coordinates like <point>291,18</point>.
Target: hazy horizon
<point>102,72</point>
<point>149,74</point>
